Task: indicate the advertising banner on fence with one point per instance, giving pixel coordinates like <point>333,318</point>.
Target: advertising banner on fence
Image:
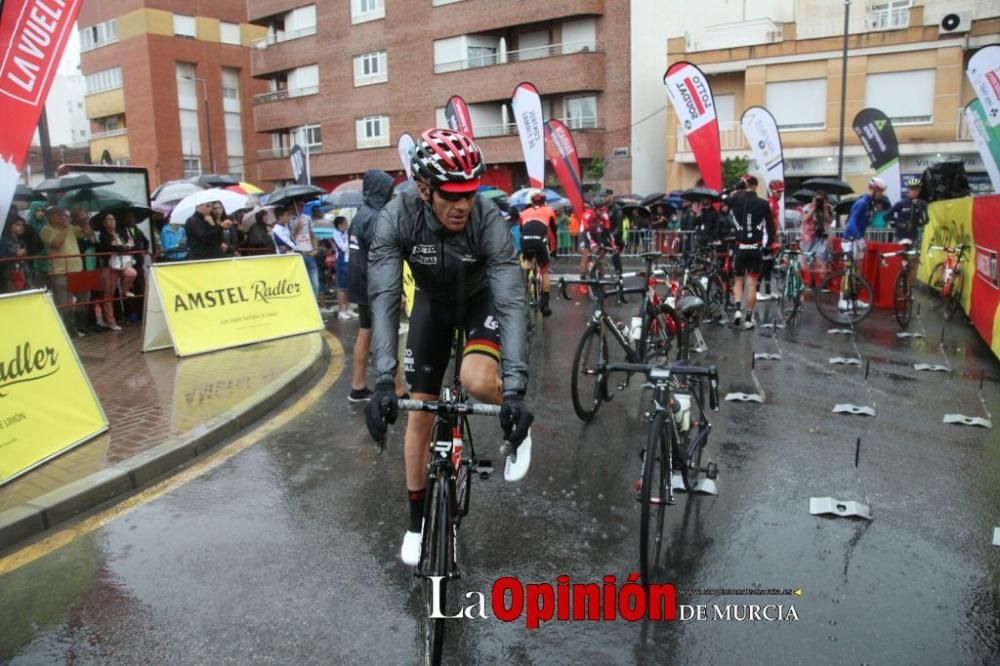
<point>987,140</point>
<point>405,147</point>
<point>561,151</point>
<point>691,97</point>
<point>878,137</point>
<point>761,131</point>
<point>202,306</point>
<point>984,74</point>
<point>47,404</point>
<point>527,106</point>
<point>985,314</point>
<point>949,222</point>
<point>456,112</point>
<point>33,36</point>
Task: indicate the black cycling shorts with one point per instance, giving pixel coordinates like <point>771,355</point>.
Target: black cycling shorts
<point>429,342</point>
<point>747,262</point>
<point>537,251</point>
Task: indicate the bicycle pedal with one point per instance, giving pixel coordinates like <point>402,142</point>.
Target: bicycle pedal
<point>484,469</point>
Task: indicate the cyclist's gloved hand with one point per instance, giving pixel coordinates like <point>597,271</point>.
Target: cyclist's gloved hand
<point>382,410</point>
<point>515,418</point>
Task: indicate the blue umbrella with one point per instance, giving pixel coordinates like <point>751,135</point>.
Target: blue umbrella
<point>552,198</point>
<point>316,203</point>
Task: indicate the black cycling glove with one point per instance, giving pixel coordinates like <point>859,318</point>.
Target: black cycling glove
<point>382,410</point>
<point>515,418</point>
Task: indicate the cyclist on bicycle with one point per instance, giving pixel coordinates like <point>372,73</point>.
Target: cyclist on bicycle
<point>755,230</point>
<point>908,215</point>
<point>536,239</point>
<point>596,234</point>
<point>862,212</point>
<point>467,275</point>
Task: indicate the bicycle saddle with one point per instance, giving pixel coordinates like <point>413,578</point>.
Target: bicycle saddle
<point>690,305</point>
<point>650,256</point>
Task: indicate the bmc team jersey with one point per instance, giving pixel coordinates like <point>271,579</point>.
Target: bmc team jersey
<point>542,214</point>
<point>752,222</point>
<point>535,236</point>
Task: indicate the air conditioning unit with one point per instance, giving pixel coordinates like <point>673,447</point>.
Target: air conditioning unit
<point>955,23</point>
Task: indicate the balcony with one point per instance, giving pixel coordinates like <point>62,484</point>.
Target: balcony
<point>287,93</point>
<point>489,15</point>
<point>735,35</point>
<point>730,138</point>
<point>549,51</point>
<point>107,134</point>
<point>270,40</point>
<point>285,151</point>
<point>284,112</point>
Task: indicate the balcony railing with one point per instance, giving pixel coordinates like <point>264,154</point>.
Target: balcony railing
<point>286,93</point>
<point>107,134</point>
<point>285,151</point>
<point>730,138</point>
<point>286,36</point>
<point>547,51</point>
<point>887,18</point>
<point>581,123</point>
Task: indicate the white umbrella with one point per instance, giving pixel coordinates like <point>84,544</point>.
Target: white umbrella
<point>231,202</point>
<point>174,192</point>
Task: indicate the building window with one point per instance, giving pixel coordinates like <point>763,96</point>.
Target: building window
<point>906,97</point>
<point>187,103</point>
<point>106,79</point>
<point>889,15</point>
<point>482,56</point>
<point>798,105</point>
<point>370,68</point>
<point>229,33</point>
<point>308,135</point>
<point>192,166</point>
<point>98,35</point>
<point>580,112</point>
<point>372,132</point>
<point>232,117</point>
<point>184,26</point>
<point>725,110</point>
<point>367,10</point>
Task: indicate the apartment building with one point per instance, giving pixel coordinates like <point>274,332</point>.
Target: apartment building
<point>168,86</point>
<point>786,55</point>
<point>347,78</point>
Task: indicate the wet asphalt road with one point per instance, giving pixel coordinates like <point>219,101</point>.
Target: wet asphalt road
<point>287,553</point>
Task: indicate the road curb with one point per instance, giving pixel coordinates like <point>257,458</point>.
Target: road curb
<point>47,511</point>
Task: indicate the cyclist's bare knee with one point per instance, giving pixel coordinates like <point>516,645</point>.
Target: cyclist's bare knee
<point>479,377</point>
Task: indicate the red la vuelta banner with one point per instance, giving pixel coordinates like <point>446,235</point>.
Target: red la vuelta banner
<point>33,34</point>
<point>691,96</point>
<point>561,151</point>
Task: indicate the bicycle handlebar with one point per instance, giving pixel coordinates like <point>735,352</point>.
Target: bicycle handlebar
<point>659,371</point>
<point>438,407</point>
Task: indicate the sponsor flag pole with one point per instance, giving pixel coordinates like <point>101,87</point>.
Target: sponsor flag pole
<point>456,112</point>
<point>527,106</point>
<point>878,137</point>
<point>561,151</point>
<point>761,131</point>
<point>692,100</point>
<point>32,41</point>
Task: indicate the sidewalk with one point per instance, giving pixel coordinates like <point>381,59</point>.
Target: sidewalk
<point>163,411</point>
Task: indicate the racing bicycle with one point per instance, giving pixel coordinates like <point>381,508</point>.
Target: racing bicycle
<point>947,277</point>
<point>534,284</point>
<point>674,442</point>
<point>902,298</point>
<point>792,284</point>
<point>844,296</point>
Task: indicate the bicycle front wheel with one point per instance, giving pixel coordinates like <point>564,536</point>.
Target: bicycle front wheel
<point>902,303</point>
<point>844,298</point>
<point>791,296</point>
<point>953,299</point>
<point>653,496</point>
<point>587,380</point>
<point>435,556</point>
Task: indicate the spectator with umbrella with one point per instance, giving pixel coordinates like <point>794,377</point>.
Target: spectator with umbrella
<point>173,241</point>
<point>816,219</point>
<point>205,236</point>
<point>36,247</point>
<point>117,271</point>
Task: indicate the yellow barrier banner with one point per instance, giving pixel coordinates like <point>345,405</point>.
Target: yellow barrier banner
<point>949,224</point>
<point>47,404</point>
<point>203,306</point>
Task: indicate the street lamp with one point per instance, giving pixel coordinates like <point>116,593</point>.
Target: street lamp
<point>843,90</point>
<point>208,122</point>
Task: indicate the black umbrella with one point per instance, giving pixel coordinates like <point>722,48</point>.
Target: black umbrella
<point>829,185</point>
<point>74,181</point>
<point>804,195</point>
<point>294,192</point>
<point>140,213</point>
<point>700,194</point>
<point>843,206</point>
<point>25,193</point>
<point>214,180</point>
<point>635,212</point>
<point>653,198</point>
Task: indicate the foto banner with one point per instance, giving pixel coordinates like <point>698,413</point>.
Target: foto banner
<point>985,313</point>
<point>405,147</point>
<point>33,35</point>
<point>47,404</point>
<point>561,151</point>
<point>987,140</point>
<point>761,132</point>
<point>878,137</point>
<point>984,74</point>
<point>456,112</point>
<point>203,306</point>
<point>692,100</point>
<point>527,106</point>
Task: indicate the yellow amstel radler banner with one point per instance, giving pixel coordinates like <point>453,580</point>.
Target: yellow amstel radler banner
<point>47,404</point>
<point>202,306</point>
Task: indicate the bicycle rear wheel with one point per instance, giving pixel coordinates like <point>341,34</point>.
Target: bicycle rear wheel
<point>653,496</point>
<point>688,462</point>
<point>790,301</point>
<point>533,301</point>
<point>844,298</point>
<point>715,295</point>
<point>953,299</point>
<point>902,303</point>
<point>435,556</point>
<point>587,381</point>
